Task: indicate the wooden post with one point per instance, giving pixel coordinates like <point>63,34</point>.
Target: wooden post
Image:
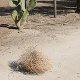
<point>77,5</point>
<point>55,9</point>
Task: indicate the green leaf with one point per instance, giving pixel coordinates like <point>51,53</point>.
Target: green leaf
<point>20,12</point>
<point>15,16</point>
<point>25,14</point>
<point>32,4</point>
<point>23,6</point>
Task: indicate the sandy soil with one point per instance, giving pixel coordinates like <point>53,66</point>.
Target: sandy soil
<point>58,38</point>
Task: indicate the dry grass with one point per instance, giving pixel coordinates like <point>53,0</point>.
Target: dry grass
<point>35,62</point>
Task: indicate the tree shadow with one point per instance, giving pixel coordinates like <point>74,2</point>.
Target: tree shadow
<point>67,3</point>
<point>62,7</point>
<point>50,10</point>
<point>8,26</point>
<point>4,11</point>
<point>18,67</point>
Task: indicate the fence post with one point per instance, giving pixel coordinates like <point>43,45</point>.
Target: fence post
<point>55,9</point>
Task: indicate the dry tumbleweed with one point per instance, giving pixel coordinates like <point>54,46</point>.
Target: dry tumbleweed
<point>35,62</point>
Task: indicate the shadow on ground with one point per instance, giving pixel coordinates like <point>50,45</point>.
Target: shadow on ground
<point>62,7</point>
<point>4,11</point>
<point>50,10</point>
<point>8,26</point>
<point>18,67</point>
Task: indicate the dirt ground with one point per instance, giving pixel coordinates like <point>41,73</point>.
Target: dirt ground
<point>58,37</point>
